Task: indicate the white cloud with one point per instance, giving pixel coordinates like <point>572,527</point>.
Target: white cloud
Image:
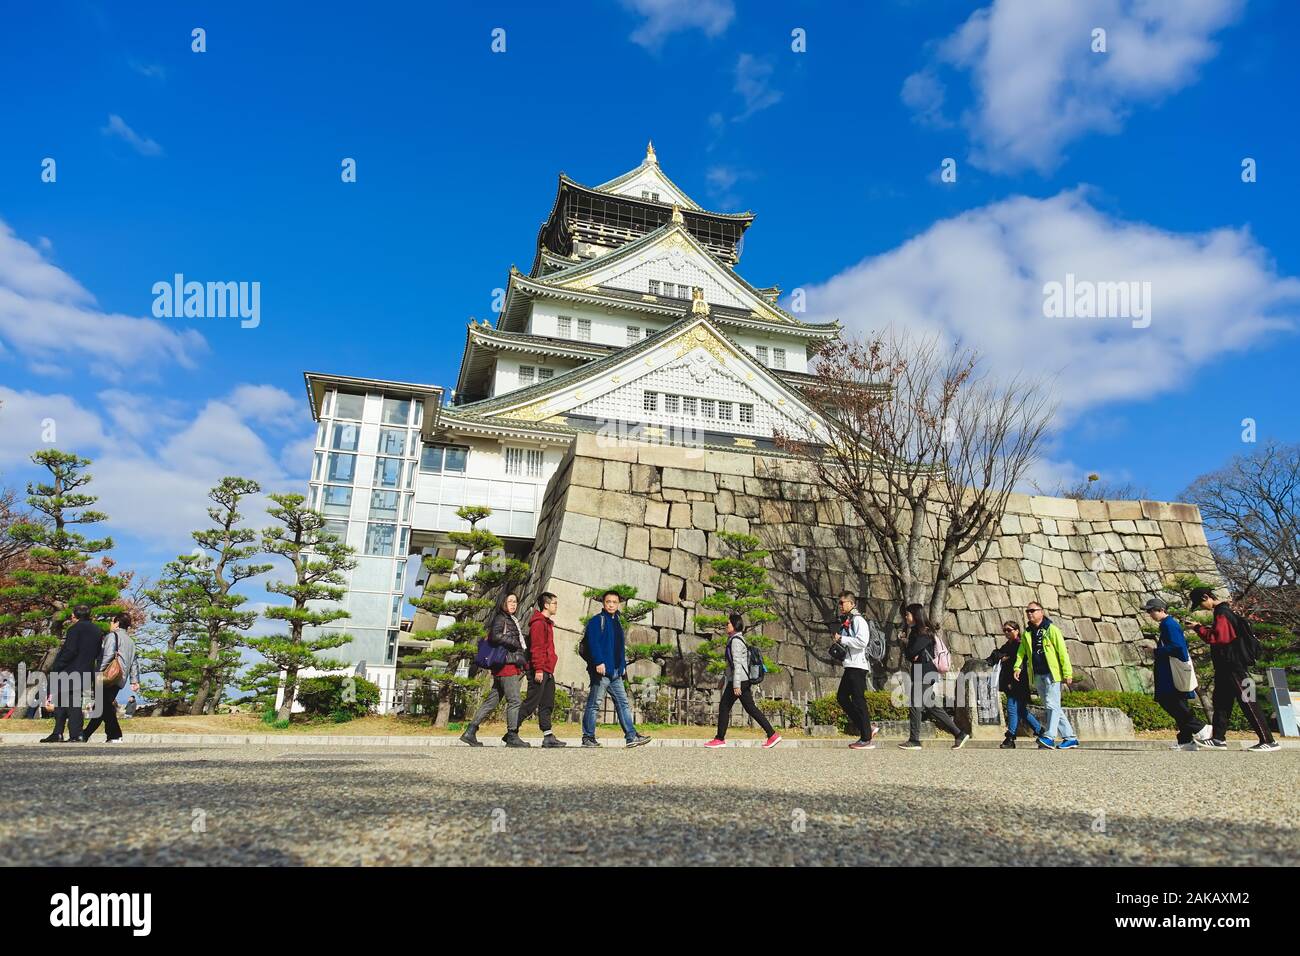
<point>753,83</point>
<point>141,144</point>
<point>28,422</point>
<point>980,276</point>
<point>152,70</point>
<point>1038,85</point>
<point>49,318</point>
<point>665,17</point>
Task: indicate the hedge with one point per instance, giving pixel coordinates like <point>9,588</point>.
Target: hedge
<point>338,697</point>
<point>827,710</point>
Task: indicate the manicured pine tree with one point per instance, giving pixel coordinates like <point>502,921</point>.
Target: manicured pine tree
<point>465,593</point>
<point>58,573</point>
<point>169,644</point>
<point>741,587</point>
<point>220,619</point>
<point>318,560</point>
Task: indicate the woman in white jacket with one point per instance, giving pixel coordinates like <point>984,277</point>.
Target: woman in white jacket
<point>855,635</point>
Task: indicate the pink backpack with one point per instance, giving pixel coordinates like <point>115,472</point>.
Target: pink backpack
<point>942,656</point>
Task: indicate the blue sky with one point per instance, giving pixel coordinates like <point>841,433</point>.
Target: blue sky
<point>225,166</point>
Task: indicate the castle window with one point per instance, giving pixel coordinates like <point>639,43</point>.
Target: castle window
<point>526,375</point>
<point>671,404</point>
<point>544,373</point>
<point>760,353</point>
<point>565,326</point>
<point>650,401</point>
<point>746,414</point>
<point>688,405</point>
<point>633,334</point>
<point>706,407</point>
<point>584,330</point>
<point>654,286</point>
<point>778,358</point>
<point>724,411</point>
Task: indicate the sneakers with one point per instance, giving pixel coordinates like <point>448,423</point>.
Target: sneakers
<point>1205,733</point>
<point>550,740</point>
<point>772,741</point>
<point>715,743</point>
<point>469,737</point>
<point>910,745</point>
<point>52,739</point>
<point>514,740</point>
<point>1263,748</point>
<point>960,741</point>
<point>863,745</point>
<point>590,742</point>
<point>1046,743</point>
<point>1213,744</point>
<point>640,740</point>
<point>1008,743</point>
<point>111,740</point>
<point>1069,744</point>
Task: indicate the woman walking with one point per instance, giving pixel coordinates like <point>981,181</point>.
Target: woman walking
<point>120,647</point>
<point>736,684</point>
<point>503,631</point>
<point>920,652</point>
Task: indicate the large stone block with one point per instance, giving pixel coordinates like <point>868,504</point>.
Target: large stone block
<point>1093,510</point>
<point>689,480</point>
<point>579,529</point>
<point>1124,509</point>
<point>645,479</point>
<point>662,538</point>
<point>680,516</point>
<point>683,564</point>
<point>689,539</point>
<point>581,566</point>
<point>617,476</point>
<point>612,537</point>
<point>669,456</point>
<point>656,514</point>
<point>604,447</point>
<point>1109,632</point>
<point>1087,629</point>
<point>1044,507</point>
<point>666,615</point>
<point>728,463</point>
<point>734,523</point>
<point>659,557</point>
<point>724,502</point>
<point>704,516</point>
<point>587,472</point>
<point>613,505</point>
<point>638,544</point>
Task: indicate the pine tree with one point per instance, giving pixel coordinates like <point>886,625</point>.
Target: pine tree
<point>220,618</point>
<point>318,560</point>
<point>58,573</point>
<point>461,594</point>
<point>170,643</point>
<point>740,583</point>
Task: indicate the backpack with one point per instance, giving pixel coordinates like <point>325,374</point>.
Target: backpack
<point>584,646</point>
<point>941,656</point>
<point>755,669</point>
<point>1246,647</point>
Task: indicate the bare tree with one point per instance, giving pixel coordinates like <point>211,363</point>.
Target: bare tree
<point>1096,488</point>
<point>1251,510</point>
<point>923,446</point>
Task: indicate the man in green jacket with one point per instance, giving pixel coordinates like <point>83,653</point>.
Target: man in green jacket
<point>1044,653</point>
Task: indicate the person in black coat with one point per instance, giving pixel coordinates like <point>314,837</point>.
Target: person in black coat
<point>1017,691</point>
<point>72,673</point>
<point>920,655</point>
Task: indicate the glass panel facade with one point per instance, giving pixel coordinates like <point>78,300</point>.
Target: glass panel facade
<point>381,539</point>
<point>342,468</point>
<point>388,473</point>
<point>337,501</point>
<point>346,437</point>
<point>383,505</point>
<point>392,441</point>
<point>349,406</point>
<point>397,411</point>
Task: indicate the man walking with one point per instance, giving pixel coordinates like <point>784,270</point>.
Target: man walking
<point>1048,662</point>
<point>541,668</point>
<point>855,636</point>
<point>606,664</point>
<point>1230,660</point>
<point>70,675</point>
<point>1172,645</point>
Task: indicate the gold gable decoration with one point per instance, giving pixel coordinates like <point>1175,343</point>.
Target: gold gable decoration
<point>702,337</point>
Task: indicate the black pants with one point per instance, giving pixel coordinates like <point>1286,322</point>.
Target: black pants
<point>112,729</point>
<point>746,701</point>
<point>1179,708</point>
<point>1229,689</point>
<point>69,716</point>
<point>541,698</point>
<point>65,692</point>
<point>853,685</point>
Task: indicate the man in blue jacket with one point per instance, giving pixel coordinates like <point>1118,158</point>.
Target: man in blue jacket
<point>606,664</point>
<point>1193,732</point>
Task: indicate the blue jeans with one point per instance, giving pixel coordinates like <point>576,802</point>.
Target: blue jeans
<point>1018,710</point>
<point>1050,691</point>
<point>599,684</point>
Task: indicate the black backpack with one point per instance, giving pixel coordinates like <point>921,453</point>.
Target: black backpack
<point>584,647</point>
<point>1246,648</point>
<point>755,669</point>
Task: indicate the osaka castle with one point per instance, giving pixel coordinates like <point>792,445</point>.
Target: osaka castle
<point>633,322</point>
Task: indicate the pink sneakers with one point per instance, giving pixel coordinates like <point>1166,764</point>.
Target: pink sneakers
<point>715,743</point>
<point>771,742</point>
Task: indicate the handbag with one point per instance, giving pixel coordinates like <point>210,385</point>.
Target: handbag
<point>113,672</point>
<point>838,651</point>
<point>1182,673</point>
<point>489,655</point>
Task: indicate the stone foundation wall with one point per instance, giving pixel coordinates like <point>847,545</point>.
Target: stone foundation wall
<point>648,515</point>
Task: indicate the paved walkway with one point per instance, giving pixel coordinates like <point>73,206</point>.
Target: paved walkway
<point>393,805</point>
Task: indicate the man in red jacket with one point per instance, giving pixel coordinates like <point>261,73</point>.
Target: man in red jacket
<point>541,668</point>
<point>1230,675</point>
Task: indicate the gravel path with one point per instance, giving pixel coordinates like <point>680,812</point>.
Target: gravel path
<point>648,807</point>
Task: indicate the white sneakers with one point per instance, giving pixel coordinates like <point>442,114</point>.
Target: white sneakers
<point>1205,732</point>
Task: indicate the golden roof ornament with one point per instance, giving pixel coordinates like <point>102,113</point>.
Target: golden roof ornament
<point>698,305</point>
<point>650,156</point>
<point>677,215</point>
